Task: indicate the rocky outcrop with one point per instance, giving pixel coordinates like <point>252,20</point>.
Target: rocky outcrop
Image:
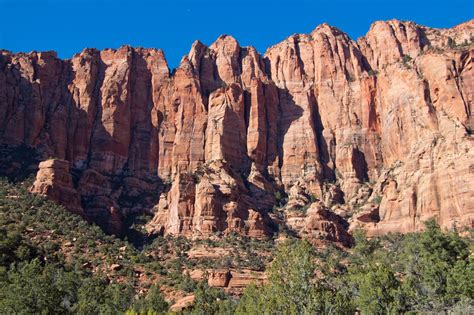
<point>318,223</point>
<point>376,132</point>
<point>183,303</point>
<point>435,182</point>
<point>212,200</point>
<point>54,180</point>
<point>379,102</point>
<point>229,279</point>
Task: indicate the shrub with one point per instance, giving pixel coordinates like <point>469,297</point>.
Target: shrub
<point>373,73</point>
<point>153,303</point>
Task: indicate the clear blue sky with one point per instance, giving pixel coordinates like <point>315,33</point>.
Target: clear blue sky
<point>68,26</point>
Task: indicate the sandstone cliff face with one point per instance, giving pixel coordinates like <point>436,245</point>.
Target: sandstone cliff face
<point>55,181</point>
<point>376,131</point>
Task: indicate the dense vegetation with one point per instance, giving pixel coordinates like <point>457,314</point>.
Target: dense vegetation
<point>428,272</point>
<point>52,261</point>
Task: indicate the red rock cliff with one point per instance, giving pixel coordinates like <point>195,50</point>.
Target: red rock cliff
<point>375,133</point>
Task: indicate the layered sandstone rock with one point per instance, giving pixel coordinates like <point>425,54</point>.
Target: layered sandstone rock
<point>436,182</point>
<point>229,279</point>
<point>54,180</point>
<point>212,200</point>
<point>317,222</point>
<point>377,130</point>
<point>182,303</point>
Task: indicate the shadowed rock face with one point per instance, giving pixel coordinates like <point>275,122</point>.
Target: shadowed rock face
<point>378,132</point>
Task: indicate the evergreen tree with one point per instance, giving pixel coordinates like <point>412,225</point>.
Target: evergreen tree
<point>377,290</point>
<point>31,288</point>
<point>429,258</point>
<point>154,302</point>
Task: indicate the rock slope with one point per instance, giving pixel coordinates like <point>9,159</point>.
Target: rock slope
<point>322,134</point>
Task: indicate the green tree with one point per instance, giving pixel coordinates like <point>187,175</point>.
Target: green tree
<point>377,290</point>
<point>429,258</point>
<point>154,302</point>
<point>290,278</point>
<point>292,287</point>
<point>251,301</point>
<point>363,247</point>
<point>31,288</point>
<point>12,246</point>
<point>96,296</point>
<point>209,300</point>
<point>460,283</point>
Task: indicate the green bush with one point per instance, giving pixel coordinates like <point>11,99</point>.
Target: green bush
<point>427,272</point>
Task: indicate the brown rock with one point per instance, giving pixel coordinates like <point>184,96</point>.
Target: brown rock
<point>320,116</point>
<point>435,182</point>
<point>318,223</point>
<point>182,303</point>
<point>225,133</point>
<point>115,267</point>
<point>242,278</point>
<point>54,181</point>
<point>229,279</point>
<point>207,202</point>
<point>219,278</point>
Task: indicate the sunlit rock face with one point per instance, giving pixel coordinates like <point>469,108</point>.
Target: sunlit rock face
<point>374,133</point>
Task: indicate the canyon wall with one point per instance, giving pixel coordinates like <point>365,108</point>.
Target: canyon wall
<point>320,135</point>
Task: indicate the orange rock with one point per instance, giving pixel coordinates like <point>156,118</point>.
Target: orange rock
<point>229,279</point>
<point>182,303</point>
<point>320,116</point>
<point>54,181</point>
<point>317,222</point>
<point>212,200</point>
